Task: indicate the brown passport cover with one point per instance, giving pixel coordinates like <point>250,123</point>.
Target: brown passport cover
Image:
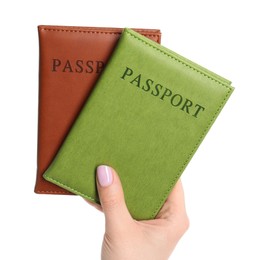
<point>71,60</point>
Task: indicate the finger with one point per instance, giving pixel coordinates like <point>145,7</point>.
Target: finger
<point>175,203</point>
<point>112,199</point>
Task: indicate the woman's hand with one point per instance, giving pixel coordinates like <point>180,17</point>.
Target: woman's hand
<point>128,239</point>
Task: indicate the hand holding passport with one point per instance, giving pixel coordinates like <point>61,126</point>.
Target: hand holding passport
<point>146,116</point>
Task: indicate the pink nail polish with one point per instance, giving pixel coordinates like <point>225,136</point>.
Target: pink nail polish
<point>105,176</point>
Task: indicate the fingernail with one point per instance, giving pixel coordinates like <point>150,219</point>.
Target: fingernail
<point>105,176</point>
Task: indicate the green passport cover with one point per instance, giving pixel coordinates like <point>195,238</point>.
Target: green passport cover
<point>146,117</point>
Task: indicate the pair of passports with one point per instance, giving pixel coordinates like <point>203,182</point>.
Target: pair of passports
<point>144,110</point>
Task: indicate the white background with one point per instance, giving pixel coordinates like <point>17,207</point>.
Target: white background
<point>222,182</point>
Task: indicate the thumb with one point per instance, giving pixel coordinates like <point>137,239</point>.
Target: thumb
<point>112,199</point>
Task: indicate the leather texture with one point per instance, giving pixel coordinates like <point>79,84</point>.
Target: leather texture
<point>146,117</point>
<point>71,60</point>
